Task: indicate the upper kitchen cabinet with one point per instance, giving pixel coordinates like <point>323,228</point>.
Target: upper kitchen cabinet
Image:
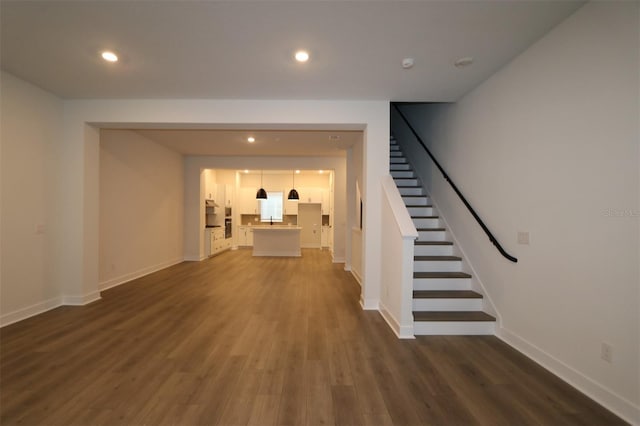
<point>310,195</point>
<point>326,201</point>
<point>223,194</point>
<point>290,207</point>
<point>210,187</point>
<point>247,201</point>
<point>229,195</point>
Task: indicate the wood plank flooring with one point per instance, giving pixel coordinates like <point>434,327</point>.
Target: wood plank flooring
<point>237,340</point>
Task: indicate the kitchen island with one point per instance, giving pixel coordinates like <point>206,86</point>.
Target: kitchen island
<point>276,240</point>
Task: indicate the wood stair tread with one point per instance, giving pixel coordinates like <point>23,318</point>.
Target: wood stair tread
<point>441,275</point>
<point>446,294</point>
<point>437,258</point>
<point>425,217</point>
<point>433,243</point>
<point>431,229</point>
<point>452,316</point>
<point>427,206</point>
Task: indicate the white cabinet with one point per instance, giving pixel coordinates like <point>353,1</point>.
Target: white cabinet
<point>224,195</point>
<point>215,241</point>
<point>311,195</point>
<point>245,236</point>
<point>247,202</point>
<point>229,195</point>
<point>326,201</point>
<point>325,236</point>
<point>290,207</point>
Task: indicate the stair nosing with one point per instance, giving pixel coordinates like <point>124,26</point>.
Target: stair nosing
<point>446,294</point>
<point>441,275</point>
<point>437,258</point>
<point>454,316</point>
<point>433,243</point>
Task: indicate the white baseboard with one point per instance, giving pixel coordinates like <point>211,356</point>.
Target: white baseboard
<point>369,304</point>
<point>627,410</point>
<point>29,311</point>
<point>357,276</point>
<point>401,332</point>
<point>114,282</point>
<point>81,300</point>
<point>194,258</point>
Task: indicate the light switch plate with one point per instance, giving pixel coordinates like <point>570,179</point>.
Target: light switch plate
<point>523,238</point>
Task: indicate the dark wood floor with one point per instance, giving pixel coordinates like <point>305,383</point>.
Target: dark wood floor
<point>237,340</point>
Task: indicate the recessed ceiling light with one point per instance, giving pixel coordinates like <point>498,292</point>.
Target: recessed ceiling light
<point>334,137</point>
<point>321,171</point>
<point>302,56</point>
<point>298,172</point>
<point>109,56</point>
<point>251,139</point>
<point>246,171</point>
<point>463,62</point>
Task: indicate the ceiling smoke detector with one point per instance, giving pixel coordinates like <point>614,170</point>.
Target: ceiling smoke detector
<point>463,62</point>
<point>407,63</point>
<point>334,137</point>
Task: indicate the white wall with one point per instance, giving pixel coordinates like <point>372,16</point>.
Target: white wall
<point>141,207</point>
<point>31,126</point>
<point>549,145</point>
<point>81,116</point>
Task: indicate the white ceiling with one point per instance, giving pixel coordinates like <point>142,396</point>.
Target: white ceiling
<point>243,49</point>
<point>267,142</point>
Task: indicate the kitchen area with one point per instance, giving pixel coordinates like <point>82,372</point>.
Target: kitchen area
<point>271,212</point>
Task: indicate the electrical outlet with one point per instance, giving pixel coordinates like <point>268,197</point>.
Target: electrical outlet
<point>606,352</point>
<point>523,238</point>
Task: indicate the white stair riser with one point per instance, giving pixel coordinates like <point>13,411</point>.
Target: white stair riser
<point>435,250</point>
<point>460,328</point>
<point>426,222</point>
<point>395,160</point>
<point>437,266</point>
<point>420,211</point>
<point>411,191</point>
<point>402,174</point>
<point>447,304</point>
<point>432,236</point>
<point>442,283</point>
<point>396,167</point>
<point>416,201</point>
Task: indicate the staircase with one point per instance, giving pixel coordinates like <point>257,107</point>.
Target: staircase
<point>443,301</point>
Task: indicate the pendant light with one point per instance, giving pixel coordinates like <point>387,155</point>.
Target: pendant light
<point>262,194</point>
<point>293,194</point>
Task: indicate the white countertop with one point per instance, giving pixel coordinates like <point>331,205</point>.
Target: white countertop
<point>276,227</point>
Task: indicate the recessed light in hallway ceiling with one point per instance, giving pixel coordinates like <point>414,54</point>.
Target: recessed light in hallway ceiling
<point>251,139</point>
<point>302,56</point>
<point>109,56</point>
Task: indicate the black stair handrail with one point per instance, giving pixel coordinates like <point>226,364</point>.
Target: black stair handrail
<point>455,188</point>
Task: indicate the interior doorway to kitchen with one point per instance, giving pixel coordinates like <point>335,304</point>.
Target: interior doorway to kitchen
<point>310,219</point>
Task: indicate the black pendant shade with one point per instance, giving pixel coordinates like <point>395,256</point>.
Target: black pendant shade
<point>261,194</point>
<point>293,194</point>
